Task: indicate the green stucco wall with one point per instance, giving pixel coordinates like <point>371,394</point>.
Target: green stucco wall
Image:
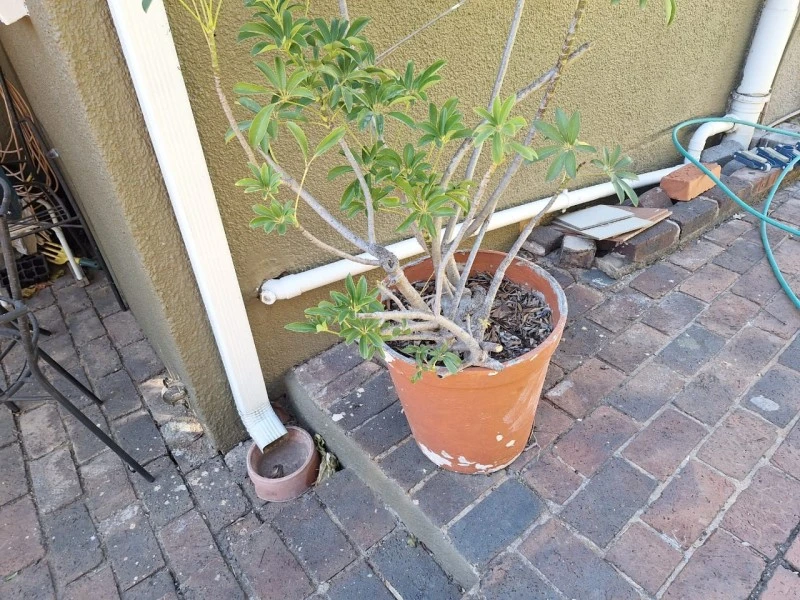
<point>639,80</point>
<point>68,60</point>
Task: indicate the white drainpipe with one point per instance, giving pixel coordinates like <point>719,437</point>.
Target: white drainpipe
<point>291,286</point>
<point>772,34</point>
<point>153,64</point>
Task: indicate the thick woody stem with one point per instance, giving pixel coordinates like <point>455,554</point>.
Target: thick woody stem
<point>335,251</point>
<point>362,182</point>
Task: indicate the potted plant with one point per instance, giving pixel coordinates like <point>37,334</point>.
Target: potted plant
<point>466,333</point>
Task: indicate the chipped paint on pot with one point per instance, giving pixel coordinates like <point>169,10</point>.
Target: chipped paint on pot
<point>470,413</point>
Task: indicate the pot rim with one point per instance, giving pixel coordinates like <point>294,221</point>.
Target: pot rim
<point>562,309</point>
<point>278,480</point>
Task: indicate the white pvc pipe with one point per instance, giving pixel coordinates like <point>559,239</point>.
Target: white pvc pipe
<point>291,286</point>
<point>156,74</point>
<point>699,138</point>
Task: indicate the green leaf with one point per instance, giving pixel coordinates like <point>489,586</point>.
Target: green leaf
<point>300,136</point>
<point>146,4</point>
<point>671,8</point>
<point>548,131</point>
<point>258,128</point>
<point>339,171</point>
<point>330,140</point>
<point>402,117</point>
<point>301,327</point>
<point>250,88</point>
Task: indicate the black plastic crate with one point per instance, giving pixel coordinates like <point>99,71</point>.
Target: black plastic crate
<point>32,269</point>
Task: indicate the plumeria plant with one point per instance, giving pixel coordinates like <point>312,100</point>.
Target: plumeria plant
<point>436,169</point>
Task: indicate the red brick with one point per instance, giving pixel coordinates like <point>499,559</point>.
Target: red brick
<point>644,557</point>
<point>661,447</point>
<point>694,217</point>
<point>552,478</point>
<point>737,445</point>
<point>793,554</point>
<point>34,583</point>
<point>779,316</point>
<point>721,569</point>
<point>651,243</point>
<point>582,339</point>
<point>675,311</point>
<point>188,545</point>
<point>689,503</point>
<point>787,457</point>
<point>725,234</point>
<point>689,182</point>
<point>711,392</point>
<point>659,279</point>
<point>688,351</point>
<point>549,424</point>
<point>750,351</point>
<point>581,298</point>
<point>787,255</point>
<point>760,181</point>
<point>740,256</point>
<point>620,310</point>
<point>554,375</point>
<point>784,585</point>
<point>98,584</point>
<point>708,282</point>
<point>766,512</point>
<point>727,207</point>
<point>585,387</point>
<point>592,441</point>
<point>633,347</point>
<point>695,255</point>
<point>728,314</point>
<point>653,198</point>
<point>647,391</point>
<point>20,537</point>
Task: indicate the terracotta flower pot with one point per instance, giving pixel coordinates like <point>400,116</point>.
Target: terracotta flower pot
<point>479,420</point>
<point>298,459</point>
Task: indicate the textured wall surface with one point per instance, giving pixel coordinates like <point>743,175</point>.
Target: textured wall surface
<point>67,58</point>
<point>786,89</point>
<point>639,80</point>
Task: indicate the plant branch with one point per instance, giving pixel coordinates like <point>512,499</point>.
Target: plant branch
<point>335,251</point>
<point>343,9</point>
<point>417,31</point>
<point>364,189</point>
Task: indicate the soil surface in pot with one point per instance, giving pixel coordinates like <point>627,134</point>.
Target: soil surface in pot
<point>283,458</point>
<point>520,319</point>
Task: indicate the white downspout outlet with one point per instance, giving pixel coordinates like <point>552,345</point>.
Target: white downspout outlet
<point>156,74</point>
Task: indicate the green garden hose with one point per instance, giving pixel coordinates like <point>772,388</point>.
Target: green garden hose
<point>763,215</point>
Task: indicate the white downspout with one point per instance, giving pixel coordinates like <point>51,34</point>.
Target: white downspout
<point>769,43</point>
<point>291,286</point>
<point>156,74</point>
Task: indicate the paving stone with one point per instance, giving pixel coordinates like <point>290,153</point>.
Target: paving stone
<point>581,298</point>
<point>596,278</point>
<point>738,444</point>
<point>362,515</point>
<point>774,235</point>
<point>195,454</point>
<point>740,256</point>
<point>750,351</point>
<point>138,435</point>
<point>110,490</point>
<point>384,430</point>
<point>33,583</point>
<point>689,181</point>
<point>406,464</point>
<point>711,393</point>
<point>766,512</point>
<point>552,478</point>
<point>572,567</point>
<point>787,456</point>
<point>118,394</point>
<point>663,445</point>
<point>131,546</point>
<point>774,396</point>
<point>562,276</point>
<point>585,387</point>
<point>343,385</point>
<point>633,347</point>
<point>708,282</point>
<point>327,366</point>
<point>364,402</point>
<point>543,240</point>
<point>779,316</point>
<point>13,482</point>
<point>159,586</point>
<point>579,343</point>
<point>123,328</point>
<point>141,361</point>
<point>218,497</point>
<point>691,349</point>
<point>411,570</point>
<point>188,545</point>
<point>675,311</point>
<point>784,585</point>
<point>85,444</point>
<point>549,424</point>
<point>446,494</point>
<point>161,411</point>
<point>694,217</point>
<point>61,348</point>
<point>72,540</point>
<point>695,255</point>
<point>42,430</point>
<point>577,251</point>
<point>651,243</point>
<point>72,299</point>
<point>8,429</point>
<point>592,441</point>
<point>647,391</point>
<point>55,482</point>
<point>97,584</point>
<point>20,536</point>
<point>728,314</point>
<point>104,301</point>
<point>659,279</point>
<point>270,569</point>
<point>611,497</point>
<point>99,358</point>
<point>212,580</point>
<point>168,497</point>
<point>510,509</point>
<point>181,432</point>
<point>358,582</point>
<point>721,568</point>
<point>554,375</point>
<point>791,356</point>
<point>620,309</point>
<point>42,298</point>
<point>786,255</point>
<point>689,503</point>
<point>509,578</point>
<point>645,557</point>
<point>314,538</point>
<point>84,326</point>
<point>50,318</point>
<point>792,555</point>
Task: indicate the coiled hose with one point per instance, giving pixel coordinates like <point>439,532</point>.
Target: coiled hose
<point>763,216</point>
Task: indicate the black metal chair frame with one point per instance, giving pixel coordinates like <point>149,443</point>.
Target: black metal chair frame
<point>20,326</point>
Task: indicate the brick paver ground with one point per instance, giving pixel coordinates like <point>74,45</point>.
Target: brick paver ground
<point>667,462</point>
